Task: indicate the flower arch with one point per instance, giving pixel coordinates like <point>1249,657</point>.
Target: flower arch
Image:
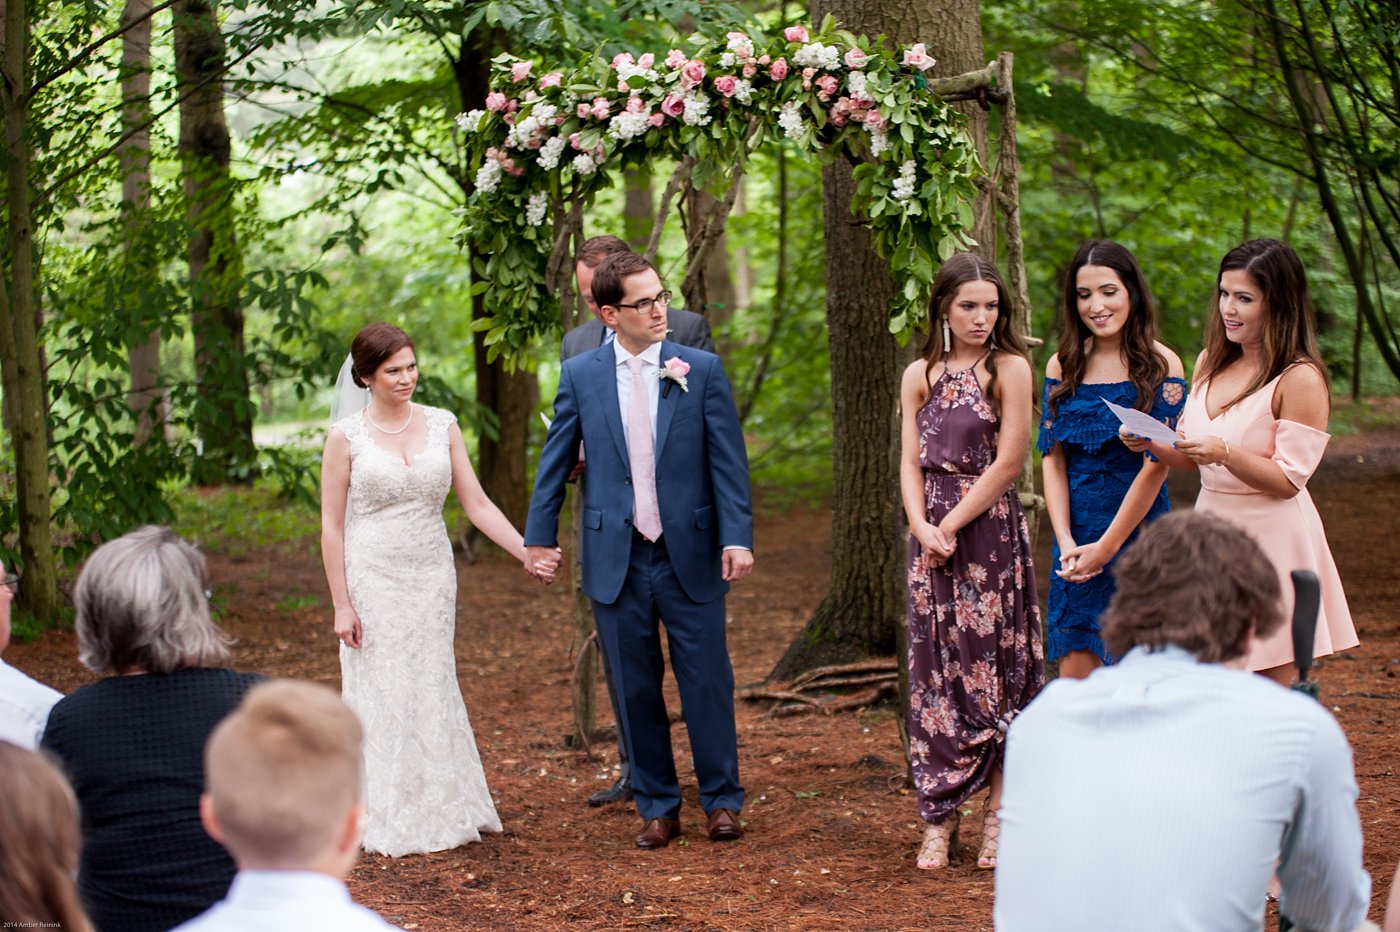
<point>546,143</point>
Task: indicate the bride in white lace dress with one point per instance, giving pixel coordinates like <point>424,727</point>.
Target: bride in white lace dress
<point>384,477</point>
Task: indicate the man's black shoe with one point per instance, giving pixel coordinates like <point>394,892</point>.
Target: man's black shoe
<point>619,792</point>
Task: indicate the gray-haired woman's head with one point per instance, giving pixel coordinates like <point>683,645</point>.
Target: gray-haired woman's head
<point>142,606</point>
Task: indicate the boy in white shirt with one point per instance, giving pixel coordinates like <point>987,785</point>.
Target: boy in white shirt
<point>283,781</point>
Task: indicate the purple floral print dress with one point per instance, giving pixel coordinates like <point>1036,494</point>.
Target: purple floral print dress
<point>975,656</point>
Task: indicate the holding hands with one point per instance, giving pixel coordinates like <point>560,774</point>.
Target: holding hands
<point>543,562</point>
<point>938,545</point>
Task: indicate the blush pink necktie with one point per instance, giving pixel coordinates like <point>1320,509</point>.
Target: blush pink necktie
<point>641,456</point>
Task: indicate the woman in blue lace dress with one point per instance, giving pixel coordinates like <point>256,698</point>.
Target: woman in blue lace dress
<point>1099,492</point>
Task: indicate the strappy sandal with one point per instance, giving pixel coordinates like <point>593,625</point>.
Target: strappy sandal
<point>991,840</point>
<point>939,839</point>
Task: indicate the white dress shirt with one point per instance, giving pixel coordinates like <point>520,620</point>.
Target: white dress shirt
<point>286,901</point>
<point>651,366</point>
<point>1161,792</point>
<point>24,707</point>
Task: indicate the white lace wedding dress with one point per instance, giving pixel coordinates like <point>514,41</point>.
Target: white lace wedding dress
<point>424,786</point>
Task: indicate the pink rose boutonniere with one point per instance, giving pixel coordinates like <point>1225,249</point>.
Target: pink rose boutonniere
<point>674,371</point>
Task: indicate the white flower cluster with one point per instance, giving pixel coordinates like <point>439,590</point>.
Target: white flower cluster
<point>816,55</point>
<point>740,47</point>
<point>904,184</point>
<point>628,125</point>
<point>790,119</point>
<point>697,108</point>
<point>551,151</point>
<point>540,117</point>
<point>626,69</point>
<point>488,176</point>
<point>583,164</point>
<point>879,140</point>
<point>471,122</point>
<point>855,83</point>
<point>743,91</point>
<point>536,207</point>
<point>727,60</point>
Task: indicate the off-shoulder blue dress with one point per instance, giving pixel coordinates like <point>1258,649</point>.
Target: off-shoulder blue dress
<point>1100,471</point>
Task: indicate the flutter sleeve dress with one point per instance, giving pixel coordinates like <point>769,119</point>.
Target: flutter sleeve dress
<point>1288,530</point>
<point>1100,470</point>
<point>975,656</point>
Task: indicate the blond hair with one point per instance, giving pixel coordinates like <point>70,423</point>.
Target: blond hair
<point>39,843</point>
<point>283,772</point>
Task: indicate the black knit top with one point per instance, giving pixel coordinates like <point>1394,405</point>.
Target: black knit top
<point>133,748</point>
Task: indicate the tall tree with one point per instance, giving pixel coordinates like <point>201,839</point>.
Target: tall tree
<point>20,363</point>
<point>134,156</point>
<point>224,410</point>
<point>864,605</point>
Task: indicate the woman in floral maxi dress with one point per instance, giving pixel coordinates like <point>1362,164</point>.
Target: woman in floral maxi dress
<point>975,656</point>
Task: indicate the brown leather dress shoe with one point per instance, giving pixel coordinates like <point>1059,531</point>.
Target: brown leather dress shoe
<point>657,833</point>
<point>724,826</point>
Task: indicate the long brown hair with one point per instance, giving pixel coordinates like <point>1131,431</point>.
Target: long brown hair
<point>1290,331</point>
<point>1146,366</point>
<point>959,269</point>
<point>39,843</point>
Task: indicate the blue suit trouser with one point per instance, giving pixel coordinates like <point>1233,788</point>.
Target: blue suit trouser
<point>630,630</point>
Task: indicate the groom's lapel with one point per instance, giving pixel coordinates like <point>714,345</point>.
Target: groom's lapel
<point>671,394</point>
<point>603,362</point>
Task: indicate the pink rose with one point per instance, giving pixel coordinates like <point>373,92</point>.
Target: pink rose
<point>677,368</point>
<point>807,75</point>
<point>750,69</point>
<point>509,117</point>
<point>646,61</point>
<point>674,59</point>
<point>584,111</point>
<point>856,59</point>
<point>795,34</point>
<point>520,70</point>
<point>764,60</point>
<point>826,87</point>
<point>725,84</point>
<point>656,119</point>
<point>692,73</point>
<point>673,105</point>
<point>840,112</point>
<point>534,142</point>
<point>636,105</point>
<point>553,79</point>
<point>778,70</point>
<point>736,38</point>
<point>495,101</point>
<point>573,141</point>
<point>622,58</point>
<point>601,108</point>
<point>917,57</point>
<point>873,118</point>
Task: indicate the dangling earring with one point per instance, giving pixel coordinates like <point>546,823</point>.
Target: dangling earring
<point>947,337</point>
<point>992,342</point>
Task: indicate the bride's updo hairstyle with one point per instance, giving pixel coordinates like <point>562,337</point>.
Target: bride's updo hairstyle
<point>372,346</point>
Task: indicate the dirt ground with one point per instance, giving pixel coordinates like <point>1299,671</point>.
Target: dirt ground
<point>832,828</point>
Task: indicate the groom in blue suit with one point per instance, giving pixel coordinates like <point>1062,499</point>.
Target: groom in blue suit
<point>667,525</point>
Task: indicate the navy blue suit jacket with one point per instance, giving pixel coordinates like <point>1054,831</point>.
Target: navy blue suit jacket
<point>702,473</point>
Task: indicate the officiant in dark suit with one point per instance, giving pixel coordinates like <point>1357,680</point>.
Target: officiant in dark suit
<point>667,525</point>
<point>683,327</point>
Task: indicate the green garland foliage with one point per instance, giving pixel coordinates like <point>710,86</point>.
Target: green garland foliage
<point>549,140</point>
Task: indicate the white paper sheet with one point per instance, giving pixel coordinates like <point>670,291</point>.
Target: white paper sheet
<point>1143,424</point>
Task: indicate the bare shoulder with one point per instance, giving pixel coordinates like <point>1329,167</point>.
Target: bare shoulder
<point>1304,377</point>
<point>1302,396</point>
<point>1174,367</point>
<point>1016,366</point>
<point>1053,369</point>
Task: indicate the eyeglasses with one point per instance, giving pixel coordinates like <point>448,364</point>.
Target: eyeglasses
<point>11,582</point>
<point>648,305</point>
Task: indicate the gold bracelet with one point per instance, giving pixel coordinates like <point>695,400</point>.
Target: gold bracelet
<point>1226,460</point>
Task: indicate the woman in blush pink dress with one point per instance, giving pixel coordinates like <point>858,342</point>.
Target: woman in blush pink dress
<point>1255,426</point>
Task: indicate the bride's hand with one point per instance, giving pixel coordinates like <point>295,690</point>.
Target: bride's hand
<point>543,562</point>
<point>347,627</point>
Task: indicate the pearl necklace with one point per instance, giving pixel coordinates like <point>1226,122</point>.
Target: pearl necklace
<point>391,433</point>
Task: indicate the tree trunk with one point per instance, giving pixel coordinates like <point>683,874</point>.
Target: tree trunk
<point>513,396</point>
<point>638,207</point>
<point>223,412</point>
<point>20,364</point>
<point>134,156</point>
<point>864,608</point>
<point>715,295</point>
